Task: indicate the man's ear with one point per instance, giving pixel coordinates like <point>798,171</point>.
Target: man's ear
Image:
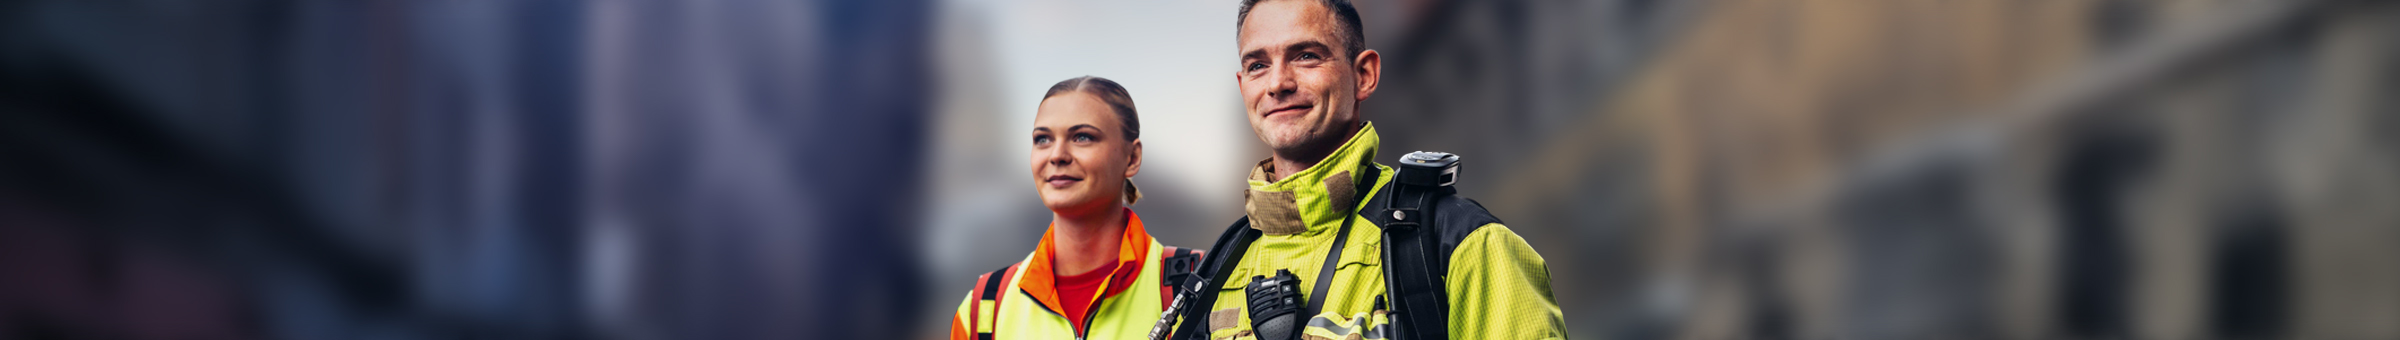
<point>1370,72</point>
<point>1134,165</point>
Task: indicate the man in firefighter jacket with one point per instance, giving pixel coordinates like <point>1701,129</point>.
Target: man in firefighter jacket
<point>1334,244</point>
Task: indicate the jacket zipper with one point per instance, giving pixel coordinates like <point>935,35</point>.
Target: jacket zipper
<point>1089,314</point>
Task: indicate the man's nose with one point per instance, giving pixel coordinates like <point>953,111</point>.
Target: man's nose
<point>1280,82</point>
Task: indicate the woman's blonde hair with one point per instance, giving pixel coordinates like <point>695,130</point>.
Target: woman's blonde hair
<point>1118,101</point>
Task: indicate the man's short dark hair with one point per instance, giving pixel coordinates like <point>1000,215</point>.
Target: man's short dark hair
<point>1352,33</point>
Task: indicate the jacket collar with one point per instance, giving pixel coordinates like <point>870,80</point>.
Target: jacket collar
<point>1039,281</point>
<point>1314,198</point>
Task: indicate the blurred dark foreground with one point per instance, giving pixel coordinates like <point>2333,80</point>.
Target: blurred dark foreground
<point>1869,169</point>
<point>458,169</point>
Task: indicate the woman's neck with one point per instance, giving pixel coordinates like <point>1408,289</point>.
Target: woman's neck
<point>1086,242</point>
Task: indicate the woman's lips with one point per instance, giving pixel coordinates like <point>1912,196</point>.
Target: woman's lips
<point>1062,181</point>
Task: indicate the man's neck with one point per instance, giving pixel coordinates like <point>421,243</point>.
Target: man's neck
<point>1085,243</point>
<point>1285,167</point>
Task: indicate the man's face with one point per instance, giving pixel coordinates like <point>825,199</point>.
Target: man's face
<point>1301,95</point>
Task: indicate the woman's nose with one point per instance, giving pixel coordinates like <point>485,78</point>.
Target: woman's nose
<point>1059,156</point>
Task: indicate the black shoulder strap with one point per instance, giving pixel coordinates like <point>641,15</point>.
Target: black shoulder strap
<point>1228,249</point>
<point>1333,259</point>
<point>1422,223</point>
<point>1413,270</point>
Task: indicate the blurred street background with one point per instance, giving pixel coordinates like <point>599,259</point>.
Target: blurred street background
<point>1690,169</point>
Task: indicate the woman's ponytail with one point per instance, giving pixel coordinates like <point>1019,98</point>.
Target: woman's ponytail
<point>1132,194</point>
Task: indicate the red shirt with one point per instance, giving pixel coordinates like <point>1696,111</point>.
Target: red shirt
<point>1077,292</point>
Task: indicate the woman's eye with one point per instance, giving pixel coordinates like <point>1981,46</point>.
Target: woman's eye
<point>1039,140</point>
<point>1084,138</point>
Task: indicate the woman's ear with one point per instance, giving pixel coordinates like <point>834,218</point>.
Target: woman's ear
<point>1133,165</point>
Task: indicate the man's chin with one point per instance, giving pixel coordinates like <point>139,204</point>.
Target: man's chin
<point>1286,140</point>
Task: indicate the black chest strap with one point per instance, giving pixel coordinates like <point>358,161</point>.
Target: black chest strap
<point>1235,241</point>
<point>1333,259</point>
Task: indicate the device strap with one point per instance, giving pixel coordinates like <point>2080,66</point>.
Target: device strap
<point>1333,259</point>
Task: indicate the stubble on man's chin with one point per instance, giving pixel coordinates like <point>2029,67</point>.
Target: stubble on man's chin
<point>1312,146</point>
<point>1285,142</point>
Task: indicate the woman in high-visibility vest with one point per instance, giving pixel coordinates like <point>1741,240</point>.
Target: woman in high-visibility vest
<point>1096,273</point>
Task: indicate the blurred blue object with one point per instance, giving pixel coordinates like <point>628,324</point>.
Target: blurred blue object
<point>437,170</point>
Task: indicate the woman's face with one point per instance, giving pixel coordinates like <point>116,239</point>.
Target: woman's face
<point>1081,157</point>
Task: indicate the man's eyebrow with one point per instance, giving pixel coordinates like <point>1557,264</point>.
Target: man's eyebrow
<point>1297,46</point>
<point>1307,45</point>
<point>1255,54</point>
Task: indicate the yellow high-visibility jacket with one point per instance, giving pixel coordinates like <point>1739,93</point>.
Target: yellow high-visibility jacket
<point>1021,301</point>
<point>1498,287</point>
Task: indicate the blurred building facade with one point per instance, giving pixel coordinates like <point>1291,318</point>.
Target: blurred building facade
<point>1705,169</point>
<point>1907,169</point>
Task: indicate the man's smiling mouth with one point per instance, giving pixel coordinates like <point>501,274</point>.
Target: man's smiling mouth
<point>1288,109</point>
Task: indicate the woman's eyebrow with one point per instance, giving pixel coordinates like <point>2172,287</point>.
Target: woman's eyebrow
<point>1083,126</point>
<point>1041,129</point>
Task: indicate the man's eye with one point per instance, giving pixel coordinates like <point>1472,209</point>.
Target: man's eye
<point>1255,66</point>
<point>1307,56</point>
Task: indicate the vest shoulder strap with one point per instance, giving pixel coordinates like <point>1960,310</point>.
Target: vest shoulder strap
<point>984,312</point>
<point>1176,265</point>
